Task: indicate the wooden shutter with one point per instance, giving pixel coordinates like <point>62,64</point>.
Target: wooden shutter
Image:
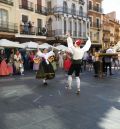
<point>24,3</point>
<point>39,2</point>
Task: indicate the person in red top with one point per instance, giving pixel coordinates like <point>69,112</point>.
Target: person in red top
<point>67,62</point>
<point>31,61</point>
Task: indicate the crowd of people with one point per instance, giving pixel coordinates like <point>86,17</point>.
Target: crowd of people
<point>45,62</point>
<point>29,28</point>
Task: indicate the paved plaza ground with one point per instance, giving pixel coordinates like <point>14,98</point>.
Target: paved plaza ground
<point>26,104</point>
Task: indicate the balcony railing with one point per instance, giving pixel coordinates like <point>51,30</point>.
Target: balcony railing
<point>95,25</point>
<point>80,34</point>
<point>58,32</point>
<point>28,5</point>
<point>40,9</point>
<point>68,11</point>
<point>95,8</point>
<point>106,30</point>
<point>32,30</point>
<point>8,27</point>
<point>9,2</point>
<point>75,33</point>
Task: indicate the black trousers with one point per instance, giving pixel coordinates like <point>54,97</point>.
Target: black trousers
<point>96,66</point>
<point>106,66</point>
<point>75,68</point>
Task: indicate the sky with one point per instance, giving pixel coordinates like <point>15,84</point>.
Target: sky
<point>111,5</point>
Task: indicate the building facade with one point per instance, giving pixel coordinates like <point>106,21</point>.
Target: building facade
<point>106,31</point>
<point>111,30</point>
<point>43,20</point>
<point>95,13</point>
<point>67,16</point>
<point>26,18</point>
<point>8,24</point>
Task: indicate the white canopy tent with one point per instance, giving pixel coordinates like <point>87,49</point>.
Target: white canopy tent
<point>1,48</point>
<point>45,45</point>
<point>62,48</point>
<point>30,44</point>
<point>10,44</point>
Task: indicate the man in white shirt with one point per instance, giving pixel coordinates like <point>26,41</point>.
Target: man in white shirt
<point>108,61</point>
<point>77,54</point>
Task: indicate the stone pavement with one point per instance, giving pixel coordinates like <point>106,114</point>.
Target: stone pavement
<point>26,104</point>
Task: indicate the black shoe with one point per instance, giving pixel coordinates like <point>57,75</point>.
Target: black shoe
<point>95,75</point>
<point>111,74</point>
<point>78,92</point>
<point>45,84</point>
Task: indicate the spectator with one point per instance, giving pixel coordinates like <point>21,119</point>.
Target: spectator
<point>31,57</point>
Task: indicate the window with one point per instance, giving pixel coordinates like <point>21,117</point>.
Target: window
<point>49,6</point>
<point>81,11</point>
<point>3,15</point>
<point>39,25</point>
<point>65,26</point>
<point>73,10</point>
<point>97,22</point>
<point>3,18</point>
<point>75,29</point>
<point>39,2</point>
<point>90,5</point>
<point>24,18</point>
<point>80,29</point>
<point>98,7</point>
<point>70,27</point>
<point>65,7</point>
<point>24,4</point>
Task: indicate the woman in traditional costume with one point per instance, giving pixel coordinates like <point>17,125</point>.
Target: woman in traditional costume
<point>77,55</point>
<point>17,59</point>
<point>4,71</point>
<point>46,70</point>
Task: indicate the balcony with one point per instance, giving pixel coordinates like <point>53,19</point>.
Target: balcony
<point>38,31</point>
<point>79,34</point>
<point>8,2</point>
<point>40,9</point>
<point>106,30</point>
<point>95,25</point>
<point>74,33</point>
<point>27,5</point>
<point>8,27</point>
<point>68,11</point>
<point>95,8</point>
<point>58,32</point>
